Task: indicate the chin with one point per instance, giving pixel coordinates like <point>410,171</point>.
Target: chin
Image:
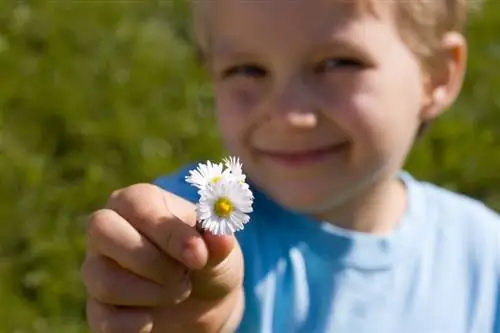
<point>304,201</point>
<point>317,199</point>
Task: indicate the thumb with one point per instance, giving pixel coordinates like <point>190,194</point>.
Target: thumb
<point>219,247</point>
<point>224,270</point>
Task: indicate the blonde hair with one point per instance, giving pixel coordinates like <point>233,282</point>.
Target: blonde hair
<point>422,23</point>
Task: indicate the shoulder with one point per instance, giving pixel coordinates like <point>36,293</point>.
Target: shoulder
<point>450,206</point>
<point>461,222</point>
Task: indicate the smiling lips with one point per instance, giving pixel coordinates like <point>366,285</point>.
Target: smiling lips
<point>304,157</point>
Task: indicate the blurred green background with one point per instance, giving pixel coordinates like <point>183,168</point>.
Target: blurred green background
<point>97,95</point>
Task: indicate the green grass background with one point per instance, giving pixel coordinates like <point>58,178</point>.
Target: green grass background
<point>97,95</point>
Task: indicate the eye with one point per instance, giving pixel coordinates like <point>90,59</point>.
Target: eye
<point>249,70</point>
<point>338,63</point>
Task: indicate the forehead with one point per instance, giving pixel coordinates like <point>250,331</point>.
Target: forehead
<point>256,22</point>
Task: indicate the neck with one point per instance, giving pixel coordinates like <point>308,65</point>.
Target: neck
<point>377,210</point>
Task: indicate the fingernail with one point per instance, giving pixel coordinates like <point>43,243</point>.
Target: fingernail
<point>186,290</point>
<point>148,328</point>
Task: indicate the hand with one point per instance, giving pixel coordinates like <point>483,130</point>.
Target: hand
<point>148,269</point>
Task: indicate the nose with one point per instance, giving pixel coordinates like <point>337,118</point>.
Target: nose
<point>302,119</point>
<point>293,104</point>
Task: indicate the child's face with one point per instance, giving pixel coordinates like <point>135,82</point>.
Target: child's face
<point>317,100</point>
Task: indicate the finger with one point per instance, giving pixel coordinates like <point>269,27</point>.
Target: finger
<point>224,272</point>
<point>219,247</point>
<point>103,318</point>
<point>110,235</point>
<point>167,220</point>
<point>109,283</point>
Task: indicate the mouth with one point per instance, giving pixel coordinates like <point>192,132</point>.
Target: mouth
<point>293,157</point>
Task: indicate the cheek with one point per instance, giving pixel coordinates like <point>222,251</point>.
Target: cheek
<point>382,109</point>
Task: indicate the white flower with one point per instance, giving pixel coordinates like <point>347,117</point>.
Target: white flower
<point>225,197</point>
<point>205,174</point>
<point>235,167</point>
<point>224,206</point>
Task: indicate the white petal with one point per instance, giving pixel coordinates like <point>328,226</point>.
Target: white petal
<point>237,221</point>
<point>231,186</point>
<point>234,165</point>
<point>205,173</point>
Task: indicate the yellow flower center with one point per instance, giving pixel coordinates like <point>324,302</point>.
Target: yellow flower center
<point>216,179</point>
<point>223,207</point>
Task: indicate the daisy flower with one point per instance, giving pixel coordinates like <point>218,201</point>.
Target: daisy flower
<point>225,198</point>
<point>224,206</point>
<point>235,167</point>
<point>205,174</point>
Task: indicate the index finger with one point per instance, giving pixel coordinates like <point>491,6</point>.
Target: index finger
<point>167,220</point>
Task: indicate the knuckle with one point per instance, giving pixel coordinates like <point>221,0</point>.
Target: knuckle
<point>151,261</point>
<point>115,195</point>
<point>115,198</point>
<point>99,215</point>
<point>131,191</point>
<point>98,285</point>
<point>134,201</point>
<point>143,187</point>
<point>97,220</point>
<point>100,320</point>
<point>101,290</point>
<point>118,196</point>
<point>103,318</point>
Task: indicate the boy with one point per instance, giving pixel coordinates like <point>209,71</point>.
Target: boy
<point>322,101</point>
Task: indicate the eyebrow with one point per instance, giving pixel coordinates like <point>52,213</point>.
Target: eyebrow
<point>338,39</point>
<point>338,43</point>
<point>229,51</point>
<point>225,47</point>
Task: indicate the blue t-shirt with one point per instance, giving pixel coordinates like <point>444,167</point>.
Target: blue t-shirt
<point>438,272</point>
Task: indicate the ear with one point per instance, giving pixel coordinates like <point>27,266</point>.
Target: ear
<point>443,85</point>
